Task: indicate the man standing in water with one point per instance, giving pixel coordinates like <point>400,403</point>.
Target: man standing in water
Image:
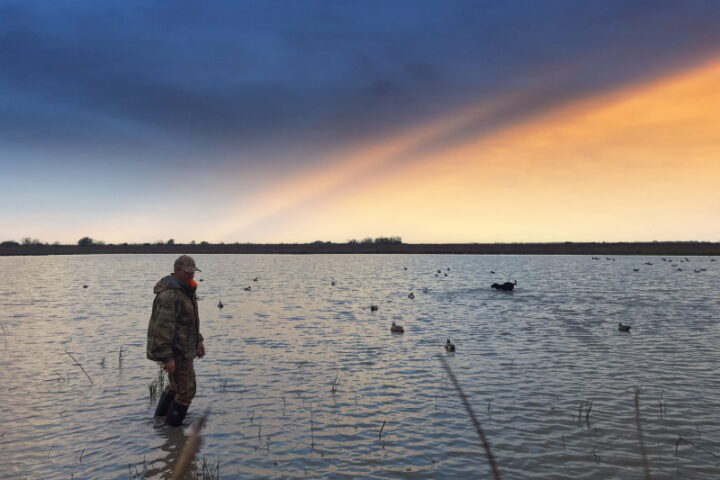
<point>174,338</point>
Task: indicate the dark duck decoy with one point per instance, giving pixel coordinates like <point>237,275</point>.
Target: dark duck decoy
<point>247,289</point>
<point>373,308</point>
<point>449,347</point>
<point>394,328</point>
<point>411,296</point>
<point>332,283</point>
<point>623,328</point>
<point>506,287</point>
<point>220,304</point>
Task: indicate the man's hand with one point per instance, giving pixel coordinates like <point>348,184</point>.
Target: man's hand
<point>201,350</point>
<point>169,366</point>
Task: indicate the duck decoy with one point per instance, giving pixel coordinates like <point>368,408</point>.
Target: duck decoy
<point>247,289</point>
<point>373,308</point>
<point>623,328</point>
<point>220,304</point>
<point>449,347</point>
<point>411,296</point>
<point>84,286</point>
<point>332,283</point>
<point>492,272</point>
<point>394,328</point>
<point>636,269</point>
<point>255,279</point>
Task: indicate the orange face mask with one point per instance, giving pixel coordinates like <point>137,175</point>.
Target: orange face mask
<point>192,283</point>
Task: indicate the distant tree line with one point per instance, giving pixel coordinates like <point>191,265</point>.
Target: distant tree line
<point>378,240</point>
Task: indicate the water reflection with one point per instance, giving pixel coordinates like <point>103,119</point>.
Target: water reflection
<point>164,457</point>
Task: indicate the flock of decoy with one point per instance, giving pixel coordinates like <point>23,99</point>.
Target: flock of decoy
<point>449,346</point>
<point>673,264</point>
<point>506,287</point>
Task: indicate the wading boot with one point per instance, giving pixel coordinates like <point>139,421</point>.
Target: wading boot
<point>176,414</point>
<point>163,404</point>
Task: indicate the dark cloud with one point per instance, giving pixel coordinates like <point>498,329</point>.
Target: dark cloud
<point>228,75</point>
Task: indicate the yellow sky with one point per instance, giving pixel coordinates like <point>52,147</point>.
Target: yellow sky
<point>637,164</point>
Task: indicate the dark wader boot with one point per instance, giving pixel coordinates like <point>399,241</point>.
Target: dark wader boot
<point>163,404</point>
<point>176,414</point>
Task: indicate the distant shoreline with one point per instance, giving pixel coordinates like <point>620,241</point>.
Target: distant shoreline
<point>566,248</point>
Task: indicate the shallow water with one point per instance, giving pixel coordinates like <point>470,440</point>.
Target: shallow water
<point>276,353</point>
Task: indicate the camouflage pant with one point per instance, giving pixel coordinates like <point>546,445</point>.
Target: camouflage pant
<point>182,382</point>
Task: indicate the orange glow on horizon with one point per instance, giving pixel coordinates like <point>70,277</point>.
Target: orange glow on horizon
<point>637,164</point>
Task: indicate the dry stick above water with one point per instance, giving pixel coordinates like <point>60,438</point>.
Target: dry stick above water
<point>471,413</point>
<point>646,465</point>
<point>192,446</point>
<point>81,367</point>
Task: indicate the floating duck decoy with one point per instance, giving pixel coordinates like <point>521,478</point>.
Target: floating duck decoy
<point>411,296</point>
<point>506,287</point>
<point>446,274</point>
<point>439,271</point>
<point>247,289</point>
<point>449,347</point>
<point>220,304</point>
<point>201,280</point>
<point>636,269</point>
<point>425,290</point>
<point>404,268</point>
<point>394,328</point>
<point>492,272</point>
<point>332,283</point>
<point>84,286</point>
<point>255,279</point>
<point>373,308</point>
<point>623,328</point>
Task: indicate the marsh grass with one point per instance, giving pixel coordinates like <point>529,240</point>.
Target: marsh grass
<point>584,407</point>
<point>121,352</point>
<point>157,385</point>
<point>207,471</point>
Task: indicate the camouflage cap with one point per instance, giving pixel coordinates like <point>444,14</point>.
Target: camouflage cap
<point>186,264</point>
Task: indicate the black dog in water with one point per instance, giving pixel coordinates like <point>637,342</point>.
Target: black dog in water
<point>507,286</point>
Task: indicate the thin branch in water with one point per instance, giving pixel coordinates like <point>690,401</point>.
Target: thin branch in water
<point>471,414</point>
<point>191,448</point>
<point>681,439</point>
<point>81,454</point>
<point>81,367</point>
<point>643,453</point>
<point>381,429</point>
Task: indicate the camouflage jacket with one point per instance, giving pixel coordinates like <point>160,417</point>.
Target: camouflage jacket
<point>174,329</point>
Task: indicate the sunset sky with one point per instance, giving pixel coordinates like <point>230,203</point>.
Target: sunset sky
<point>294,121</point>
